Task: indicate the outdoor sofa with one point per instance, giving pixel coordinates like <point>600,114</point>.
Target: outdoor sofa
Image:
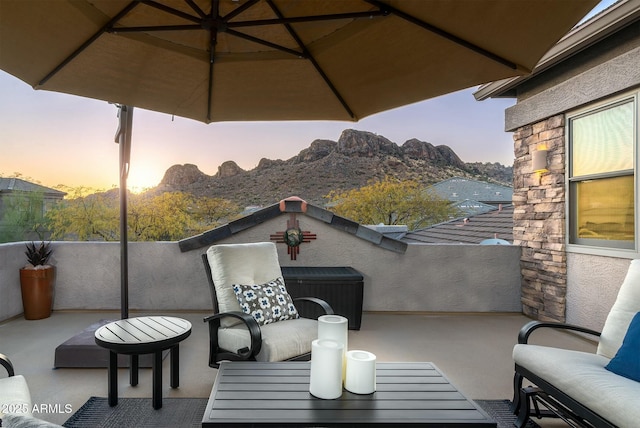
<point>601,389</point>
<point>15,400</point>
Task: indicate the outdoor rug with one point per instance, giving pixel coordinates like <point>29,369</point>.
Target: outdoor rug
<point>499,410</point>
<point>138,413</point>
<point>188,412</point>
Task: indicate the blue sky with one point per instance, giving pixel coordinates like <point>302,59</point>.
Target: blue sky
<point>62,139</point>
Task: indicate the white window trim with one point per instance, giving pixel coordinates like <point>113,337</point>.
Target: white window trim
<point>595,250</point>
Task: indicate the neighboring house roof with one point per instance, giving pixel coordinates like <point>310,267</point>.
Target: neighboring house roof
<point>598,27</point>
<point>469,230</point>
<point>8,185</point>
<point>292,205</point>
<point>458,189</point>
<point>470,207</point>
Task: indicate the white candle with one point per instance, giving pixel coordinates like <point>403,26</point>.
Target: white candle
<point>335,327</point>
<point>361,372</point>
<point>326,369</point>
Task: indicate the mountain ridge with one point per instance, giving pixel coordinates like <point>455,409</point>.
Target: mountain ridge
<point>351,162</point>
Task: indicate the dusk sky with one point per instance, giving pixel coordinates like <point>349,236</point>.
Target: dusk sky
<point>55,138</point>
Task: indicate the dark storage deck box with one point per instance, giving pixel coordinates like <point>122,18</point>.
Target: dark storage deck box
<point>341,287</point>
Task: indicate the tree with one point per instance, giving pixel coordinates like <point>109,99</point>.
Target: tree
<point>168,216</point>
<point>22,217</point>
<point>85,216</point>
<point>392,202</point>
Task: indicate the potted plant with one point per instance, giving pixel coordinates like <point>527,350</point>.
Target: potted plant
<point>36,282</point>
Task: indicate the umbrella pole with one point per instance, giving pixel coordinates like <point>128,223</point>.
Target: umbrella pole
<point>123,138</point>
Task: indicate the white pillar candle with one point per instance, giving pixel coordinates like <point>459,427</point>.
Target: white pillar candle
<point>326,369</point>
<point>361,372</point>
<point>335,327</point>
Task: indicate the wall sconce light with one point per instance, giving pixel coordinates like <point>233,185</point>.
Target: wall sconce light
<point>539,161</point>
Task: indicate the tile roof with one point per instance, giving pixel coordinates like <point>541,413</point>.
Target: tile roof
<point>458,189</point>
<point>497,223</point>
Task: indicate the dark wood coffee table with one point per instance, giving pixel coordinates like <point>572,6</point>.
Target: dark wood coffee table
<point>277,394</point>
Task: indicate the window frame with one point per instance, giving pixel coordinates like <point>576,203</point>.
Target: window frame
<point>594,246</point>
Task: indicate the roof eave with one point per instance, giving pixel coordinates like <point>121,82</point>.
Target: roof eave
<point>609,21</point>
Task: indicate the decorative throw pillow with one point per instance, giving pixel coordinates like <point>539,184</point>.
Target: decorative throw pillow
<point>267,303</point>
<point>627,360</point>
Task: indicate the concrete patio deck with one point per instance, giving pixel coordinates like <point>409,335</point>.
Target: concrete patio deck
<point>473,350</point>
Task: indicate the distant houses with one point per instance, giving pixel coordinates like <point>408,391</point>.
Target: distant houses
<point>486,215</point>
<point>473,197</point>
<point>23,201</point>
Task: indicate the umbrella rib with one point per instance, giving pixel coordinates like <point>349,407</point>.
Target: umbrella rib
<point>105,28</point>
<point>313,61</point>
<point>150,28</point>
<point>445,34</point>
<point>196,8</point>
<point>213,41</point>
<point>310,18</point>
<point>172,11</point>
<point>266,43</point>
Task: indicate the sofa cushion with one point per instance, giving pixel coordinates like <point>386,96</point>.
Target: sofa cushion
<point>627,304</point>
<point>267,303</point>
<point>280,341</point>
<point>582,376</point>
<point>627,361</point>
<point>16,420</point>
<point>14,395</point>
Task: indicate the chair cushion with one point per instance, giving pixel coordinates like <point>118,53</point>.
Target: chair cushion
<point>582,376</point>
<point>280,341</point>
<point>14,395</point>
<point>267,303</point>
<point>627,361</point>
<point>254,263</point>
<point>25,421</point>
<point>627,304</point>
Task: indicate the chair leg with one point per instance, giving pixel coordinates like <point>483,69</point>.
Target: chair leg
<point>517,386</point>
<point>524,409</point>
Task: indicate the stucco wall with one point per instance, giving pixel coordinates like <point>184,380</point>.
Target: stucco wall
<point>440,278</point>
<point>592,286</point>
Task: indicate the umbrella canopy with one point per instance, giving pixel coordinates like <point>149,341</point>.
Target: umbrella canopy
<point>225,60</point>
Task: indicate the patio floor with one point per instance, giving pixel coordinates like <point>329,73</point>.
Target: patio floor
<point>473,350</point>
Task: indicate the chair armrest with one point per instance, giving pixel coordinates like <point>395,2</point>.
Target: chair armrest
<point>248,320</point>
<point>527,329</point>
<point>6,363</point>
<point>328,310</point>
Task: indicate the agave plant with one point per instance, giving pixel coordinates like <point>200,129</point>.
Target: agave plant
<point>38,254</point>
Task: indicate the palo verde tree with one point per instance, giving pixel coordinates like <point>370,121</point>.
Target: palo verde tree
<point>391,201</point>
<point>85,215</point>
<point>167,216</point>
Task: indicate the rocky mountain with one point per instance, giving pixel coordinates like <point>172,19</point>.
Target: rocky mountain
<point>326,165</point>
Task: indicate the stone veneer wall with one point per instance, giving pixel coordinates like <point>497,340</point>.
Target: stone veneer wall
<point>539,219</point>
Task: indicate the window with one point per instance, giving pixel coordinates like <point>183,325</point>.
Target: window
<point>602,175</point>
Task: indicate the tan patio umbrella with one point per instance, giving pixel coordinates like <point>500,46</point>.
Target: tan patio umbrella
<point>223,60</point>
<point>248,60</point>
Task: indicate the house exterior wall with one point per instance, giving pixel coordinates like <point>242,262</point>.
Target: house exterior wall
<point>560,285</point>
<point>430,278</point>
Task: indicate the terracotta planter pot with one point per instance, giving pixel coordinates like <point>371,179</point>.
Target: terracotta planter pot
<point>37,292</point>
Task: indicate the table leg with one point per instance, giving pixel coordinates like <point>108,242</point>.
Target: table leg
<point>113,378</point>
<point>175,366</point>
<point>133,370</point>
<point>157,380</point>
